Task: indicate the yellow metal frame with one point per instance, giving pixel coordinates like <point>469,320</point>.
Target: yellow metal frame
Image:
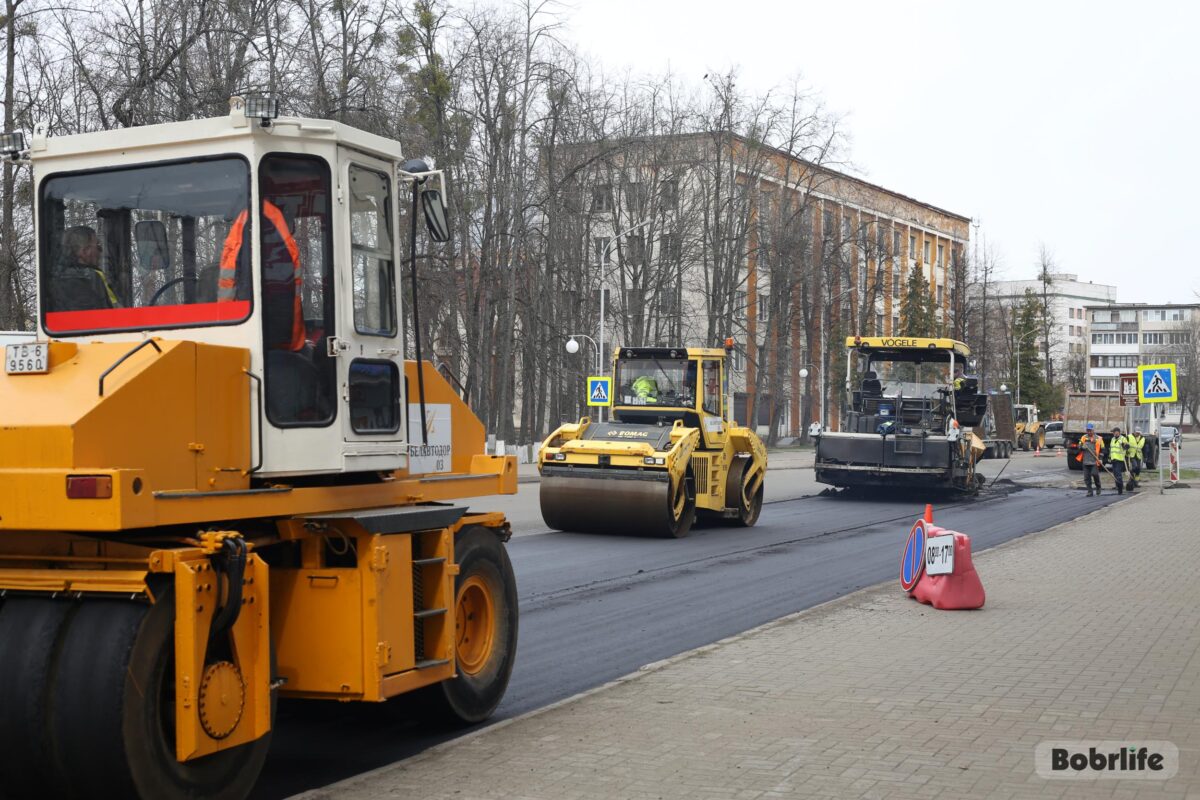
<point>909,343</point>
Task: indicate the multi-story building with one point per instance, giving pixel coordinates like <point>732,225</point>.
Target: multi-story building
<point>1123,336</point>
<point>708,235</point>
<point>1066,297</point>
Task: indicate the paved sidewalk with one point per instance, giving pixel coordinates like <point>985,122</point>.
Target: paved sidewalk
<point>1090,632</point>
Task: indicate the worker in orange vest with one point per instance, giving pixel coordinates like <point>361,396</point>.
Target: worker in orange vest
<point>279,250</point>
<point>1091,447</point>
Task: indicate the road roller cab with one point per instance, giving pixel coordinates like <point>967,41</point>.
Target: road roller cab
<point>220,480</point>
<point>669,453</point>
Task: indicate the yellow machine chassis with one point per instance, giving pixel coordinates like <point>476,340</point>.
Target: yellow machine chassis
<point>365,614</point>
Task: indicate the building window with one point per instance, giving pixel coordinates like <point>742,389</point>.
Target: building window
<point>1152,338</point>
<point>897,279</point>
<point>602,197</point>
<point>912,246</point>
<point>600,248</point>
<point>827,224</point>
<point>941,254</point>
<point>879,324</point>
<point>668,191</point>
<point>925,252</point>
<point>896,243</point>
<point>1104,384</point>
<point>939,295</point>
<point>764,307</point>
<point>895,324</point>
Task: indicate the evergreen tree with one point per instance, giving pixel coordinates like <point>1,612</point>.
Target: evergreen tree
<point>918,314</point>
<point>1027,326</point>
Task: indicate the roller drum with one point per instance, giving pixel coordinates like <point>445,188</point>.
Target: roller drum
<point>618,505</point>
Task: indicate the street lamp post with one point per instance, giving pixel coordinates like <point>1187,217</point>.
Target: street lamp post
<point>572,347</point>
<point>603,282</point>
<point>804,376</point>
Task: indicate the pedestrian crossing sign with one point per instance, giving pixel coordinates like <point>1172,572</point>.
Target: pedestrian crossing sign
<point>599,391</point>
<point>1156,384</point>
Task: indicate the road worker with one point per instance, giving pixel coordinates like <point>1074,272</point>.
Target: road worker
<point>1135,456</point>
<point>1118,447</point>
<point>1091,448</point>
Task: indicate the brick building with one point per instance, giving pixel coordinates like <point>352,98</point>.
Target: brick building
<point>730,237</point>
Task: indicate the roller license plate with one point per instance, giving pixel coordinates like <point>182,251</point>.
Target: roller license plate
<point>27,359</point>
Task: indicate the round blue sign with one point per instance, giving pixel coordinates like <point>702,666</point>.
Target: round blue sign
<point>912,561</point>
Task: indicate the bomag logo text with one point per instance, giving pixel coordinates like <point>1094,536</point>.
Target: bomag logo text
<point>632,434</point>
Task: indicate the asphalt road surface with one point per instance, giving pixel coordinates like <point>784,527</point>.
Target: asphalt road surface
<point>594,608</point>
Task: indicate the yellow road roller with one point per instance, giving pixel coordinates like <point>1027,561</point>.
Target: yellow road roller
<point>669,452</point>
<point>220,480</point>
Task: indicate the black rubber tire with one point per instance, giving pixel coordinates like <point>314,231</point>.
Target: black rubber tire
<point>1072,464</point>
<point>681,527</point>
<point>107,715</point>
<point>468,699</point>
<point>30,632</point>
<point>734,497</point>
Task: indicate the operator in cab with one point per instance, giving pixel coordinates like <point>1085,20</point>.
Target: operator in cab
<point>645,388</point>
<point>78,282</point>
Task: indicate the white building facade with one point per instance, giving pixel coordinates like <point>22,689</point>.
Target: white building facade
<point>1123,336</point>
<point>1067,297</point>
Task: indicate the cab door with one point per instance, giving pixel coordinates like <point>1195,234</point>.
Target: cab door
<point>369,345</point>
<point>712,403</point>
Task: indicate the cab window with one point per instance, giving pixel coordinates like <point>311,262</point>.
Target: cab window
<point>297,290</point>
<point>141,248</point>
<point>371,252</point>
<point>711,375</point>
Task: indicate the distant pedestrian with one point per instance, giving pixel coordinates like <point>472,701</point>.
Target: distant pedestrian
<point>1135,456</point>
<point>1118,448</point>
<point>1090,448</point>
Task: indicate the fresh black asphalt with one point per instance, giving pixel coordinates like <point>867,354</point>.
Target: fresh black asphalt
<point>594,608</point>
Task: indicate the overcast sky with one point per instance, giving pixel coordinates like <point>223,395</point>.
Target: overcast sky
<point>1066,123</point>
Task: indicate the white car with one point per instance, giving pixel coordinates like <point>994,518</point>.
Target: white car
<point>1054,434</point>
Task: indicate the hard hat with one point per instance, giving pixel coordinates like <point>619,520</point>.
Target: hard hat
<point>1090,427</point>
<point>1138,429</point>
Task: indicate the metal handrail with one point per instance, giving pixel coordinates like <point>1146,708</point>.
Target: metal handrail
<point>123,358</point>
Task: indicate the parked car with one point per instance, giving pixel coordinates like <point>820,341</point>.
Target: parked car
<point>1054,435</point>
<point>1167,434</point>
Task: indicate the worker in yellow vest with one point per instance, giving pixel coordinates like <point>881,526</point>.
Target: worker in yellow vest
<point>1118,447</point>
<point>1135,456</point>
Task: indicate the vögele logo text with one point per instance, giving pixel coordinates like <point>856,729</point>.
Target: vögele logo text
<point>1111,759</point>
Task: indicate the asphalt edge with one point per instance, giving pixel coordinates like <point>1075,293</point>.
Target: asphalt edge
<point>331,790</point>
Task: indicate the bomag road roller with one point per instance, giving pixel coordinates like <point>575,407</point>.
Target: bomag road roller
<point>669,452</point>
<point>220,481</point>
<point>909,417</point>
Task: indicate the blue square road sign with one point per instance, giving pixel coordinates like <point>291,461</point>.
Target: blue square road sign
<point>1157,384</point>
<point>599,391</point>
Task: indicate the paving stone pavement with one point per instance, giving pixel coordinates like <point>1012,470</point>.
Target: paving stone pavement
<point>1089,632</point>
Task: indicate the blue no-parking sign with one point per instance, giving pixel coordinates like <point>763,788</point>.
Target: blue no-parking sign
<point>1156,383</point>
<point>599,391</point>
<point>912,561</point>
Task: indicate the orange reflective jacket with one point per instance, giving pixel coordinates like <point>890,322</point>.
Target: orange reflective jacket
<point>1099,446</point>
<point>227,278</point>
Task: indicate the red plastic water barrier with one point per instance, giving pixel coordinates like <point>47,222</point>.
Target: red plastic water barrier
<point>960,589</point>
